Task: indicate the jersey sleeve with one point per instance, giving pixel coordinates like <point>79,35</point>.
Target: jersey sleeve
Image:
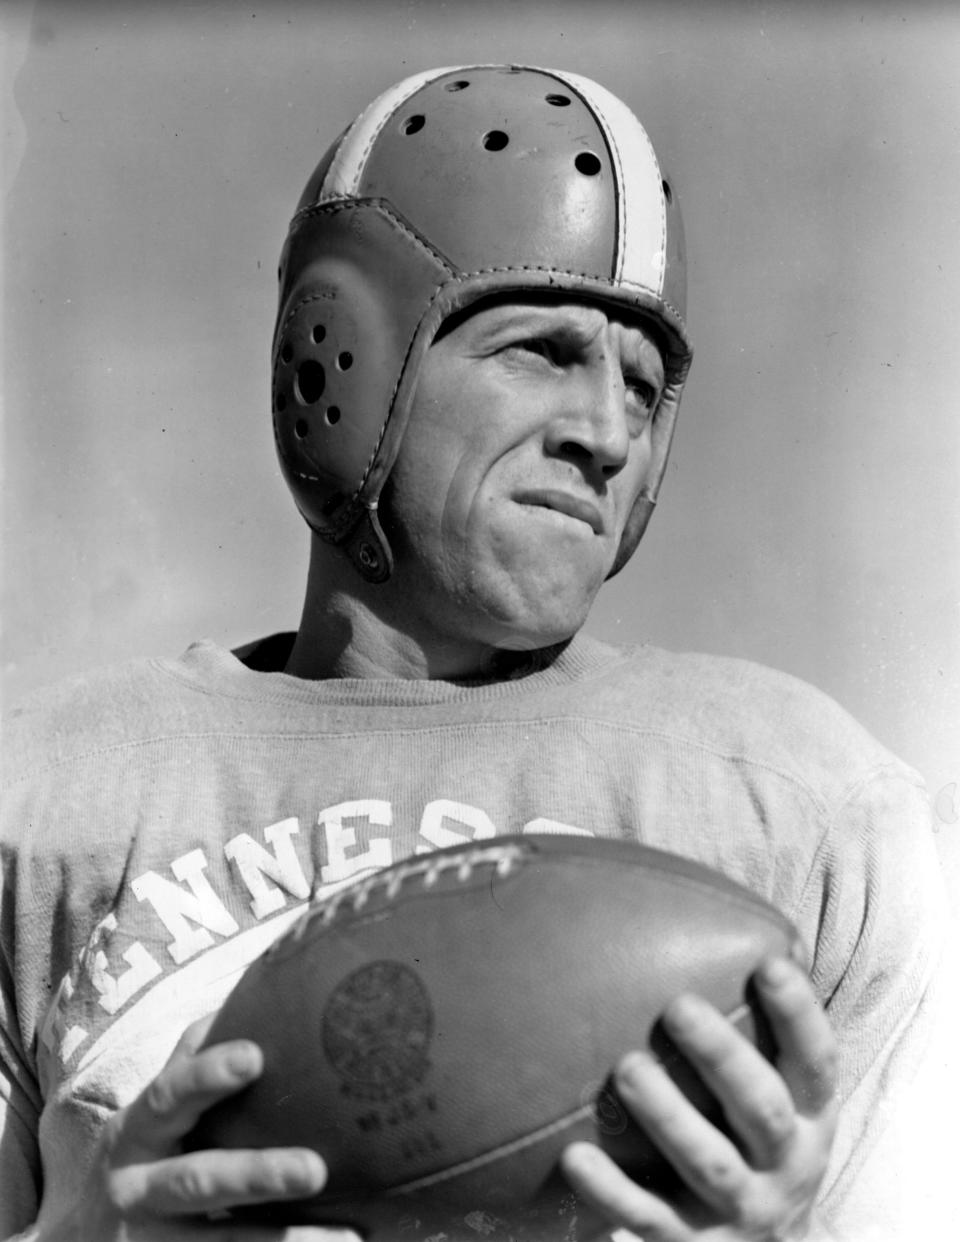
<point>885,965</point>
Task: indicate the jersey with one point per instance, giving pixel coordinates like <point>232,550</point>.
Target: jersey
<point>164,821</point>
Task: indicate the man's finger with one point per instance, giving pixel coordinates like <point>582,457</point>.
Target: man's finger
<point>605,1187</point>
<point>209,1181</point>
<point>169,1107</point>
<point>231,1231</point>
<point>808,1052</point>
<point>755,1099</point>
<point>709,1163</point>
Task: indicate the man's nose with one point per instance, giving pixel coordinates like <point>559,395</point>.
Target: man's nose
<point>589,425</point>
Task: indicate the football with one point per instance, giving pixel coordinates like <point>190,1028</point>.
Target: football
<point>441,1030</point>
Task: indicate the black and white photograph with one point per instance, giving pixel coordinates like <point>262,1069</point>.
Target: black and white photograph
<point>480,621</point>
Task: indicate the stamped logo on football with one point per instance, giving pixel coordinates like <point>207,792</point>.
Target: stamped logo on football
<point>377,1028</point>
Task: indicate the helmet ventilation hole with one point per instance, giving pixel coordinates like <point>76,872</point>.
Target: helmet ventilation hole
<point>311,381</point>
<point>413,124</point>
<point>318,333</point>
<point>333,415</point>
<point>460,85</point>
<point>302,428</point>
<point>286,353</point>
<point>495,140</point>
<point>344,360</point>
<point>558,101</point>
<point>667,192</point>
<point>587,163</point>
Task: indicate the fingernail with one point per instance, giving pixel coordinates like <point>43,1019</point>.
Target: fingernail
<point>307,1173</point>
<point>580,1156</point>
<point>683,1013</point>
<point>775,972</point>
<point>632,1068</point>
<point>243,1060</point>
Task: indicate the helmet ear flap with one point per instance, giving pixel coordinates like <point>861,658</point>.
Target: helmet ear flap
<point>640,515</point>
<point>356,287</point>
<point>311,191</point>
<point>661,440</point>
<point>453,185</point>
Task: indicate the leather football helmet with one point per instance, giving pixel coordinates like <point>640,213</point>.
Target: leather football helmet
<point>454,185</point>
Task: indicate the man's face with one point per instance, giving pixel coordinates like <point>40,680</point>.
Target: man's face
<point>528,442</point>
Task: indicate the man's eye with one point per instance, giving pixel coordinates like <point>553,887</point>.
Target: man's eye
<point>645,393</point>
<point>537,345</point>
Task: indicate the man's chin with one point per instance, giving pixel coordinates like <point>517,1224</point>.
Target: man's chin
<point>522,644</point>
<point>540,634</point>
<point>507,663</point>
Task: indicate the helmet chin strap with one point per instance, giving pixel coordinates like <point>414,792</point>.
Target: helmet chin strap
<point>368,549</point>
<point>456,185</point>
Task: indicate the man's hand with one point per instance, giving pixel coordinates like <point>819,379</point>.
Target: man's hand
<point>762,1185</point>
<point>142,1188</point>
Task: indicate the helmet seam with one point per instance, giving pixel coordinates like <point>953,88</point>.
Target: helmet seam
<point>619,181</point>
<point>334,206</point>
<point>344,519</point>
<point>456,277</point>
<point>338,525</point>
<point>304,301</point>
<point>663,211</point>
<point>347,519</point>
<point>430,76</point>
<point>362,162</point>
<point>566,271</point>
<point>344,523</point>
<point>635,286</point>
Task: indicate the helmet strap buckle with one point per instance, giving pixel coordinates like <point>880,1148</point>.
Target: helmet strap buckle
<point>368,549</point>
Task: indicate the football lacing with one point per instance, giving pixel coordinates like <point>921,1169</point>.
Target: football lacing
<point>429,869</point>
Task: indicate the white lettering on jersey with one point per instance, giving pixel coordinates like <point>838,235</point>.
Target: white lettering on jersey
<point>432,825</point>
<point>556,826</point>
<point>55,1035</point>
<point>115,990</point>
<point>340,839</point>
<point>193,913</point>
<point>74,1037</point>
<point>174,906</point>
<point>282,866</point>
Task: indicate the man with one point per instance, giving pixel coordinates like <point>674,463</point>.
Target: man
<point>478,359</point>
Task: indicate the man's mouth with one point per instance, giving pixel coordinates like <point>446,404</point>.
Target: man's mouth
<point>567,503</point>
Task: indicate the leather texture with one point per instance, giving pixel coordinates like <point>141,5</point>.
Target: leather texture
<point>442,1029</point>
<point>452,186</point>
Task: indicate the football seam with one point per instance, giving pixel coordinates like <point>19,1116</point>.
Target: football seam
<point>393,882</point>
<point>515,1145</point>
<point>495,1153</point>
<point>503,855</point>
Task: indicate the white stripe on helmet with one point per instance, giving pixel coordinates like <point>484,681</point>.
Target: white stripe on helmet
<point>642,218</point>
<point>640,256</point>
<point>343,175</point>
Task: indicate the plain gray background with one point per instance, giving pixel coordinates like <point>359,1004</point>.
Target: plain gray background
<point>152,155</point>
